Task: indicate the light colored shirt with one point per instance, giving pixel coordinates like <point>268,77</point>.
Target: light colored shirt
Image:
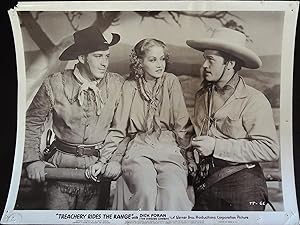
<point>221,95</point>
<point>243,126</point>
<point>131,114</point>
<point>72,122</point>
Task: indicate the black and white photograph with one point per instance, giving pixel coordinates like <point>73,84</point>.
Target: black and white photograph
<point>151,112</point>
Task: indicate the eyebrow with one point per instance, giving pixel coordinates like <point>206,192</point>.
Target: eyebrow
<point>208,56</point>
<point>101,54</point>
<point>155,56</point>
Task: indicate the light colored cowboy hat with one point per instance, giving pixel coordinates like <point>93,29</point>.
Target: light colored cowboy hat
<point>86,41</point>
<point>231,42</point>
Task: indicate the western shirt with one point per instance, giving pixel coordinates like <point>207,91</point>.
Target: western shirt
<point>243,126</point>
<point>131,113</point>
<point>72,122</point>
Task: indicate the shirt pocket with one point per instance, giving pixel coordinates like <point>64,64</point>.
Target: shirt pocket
<point>233,127</point>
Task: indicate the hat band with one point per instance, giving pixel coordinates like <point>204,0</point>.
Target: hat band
<point>88,48</point>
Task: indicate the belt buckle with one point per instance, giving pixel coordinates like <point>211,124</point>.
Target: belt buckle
<point>79,150</point>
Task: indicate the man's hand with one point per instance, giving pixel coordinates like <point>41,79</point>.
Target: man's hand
<point>36,171</point>
<point>204,145</point>
<point>94,170</point>
<point>112,170</point>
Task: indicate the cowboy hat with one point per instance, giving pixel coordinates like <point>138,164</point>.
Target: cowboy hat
<point>231,42</point>
<point>86,41</point>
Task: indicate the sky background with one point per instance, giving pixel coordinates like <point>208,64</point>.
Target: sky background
<point>263,27</point>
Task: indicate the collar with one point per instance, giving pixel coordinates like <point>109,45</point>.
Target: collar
<point>241,89</point>
<point>151,95</point>
<point>232,83</point>
<point>236,82</point>
<point>73,80</point>
<point>82,79</point>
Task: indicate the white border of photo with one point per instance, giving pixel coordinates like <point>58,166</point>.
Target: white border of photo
<point>290,213</point>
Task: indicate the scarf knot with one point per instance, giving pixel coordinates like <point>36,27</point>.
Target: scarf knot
<point>89,87</point>
<point>154,99</point>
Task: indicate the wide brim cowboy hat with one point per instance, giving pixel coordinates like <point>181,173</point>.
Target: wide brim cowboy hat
<point>86,41</point>
<point>231,42</point>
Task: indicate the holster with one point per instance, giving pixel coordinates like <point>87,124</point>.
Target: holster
<point>50,149</point>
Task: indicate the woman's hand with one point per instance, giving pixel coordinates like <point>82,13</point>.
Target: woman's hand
<point>112,170</point>
<point>94,170</point>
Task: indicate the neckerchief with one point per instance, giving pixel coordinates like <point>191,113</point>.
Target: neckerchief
<point>87,85</point>
<point>206,163</point>
<point>220,95</point>
<point>154,99</point>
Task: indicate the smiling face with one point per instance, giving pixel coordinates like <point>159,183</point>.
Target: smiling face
<point>213,65</point>
<point>154,62</point>
<point>96,64</point>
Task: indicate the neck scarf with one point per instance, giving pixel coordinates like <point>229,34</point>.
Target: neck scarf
<point>91,88</point>
<point>206,163</point>
<point>154,99</point>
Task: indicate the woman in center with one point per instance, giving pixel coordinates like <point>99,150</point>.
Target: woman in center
<point>152,111</point>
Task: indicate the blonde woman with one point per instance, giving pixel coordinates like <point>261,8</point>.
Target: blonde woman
<point>152,111</point>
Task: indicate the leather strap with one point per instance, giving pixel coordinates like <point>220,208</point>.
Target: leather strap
<point>78,149</point>
<point>221,174</point>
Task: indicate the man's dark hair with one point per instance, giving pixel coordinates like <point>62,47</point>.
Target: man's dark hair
<point>227,57</point>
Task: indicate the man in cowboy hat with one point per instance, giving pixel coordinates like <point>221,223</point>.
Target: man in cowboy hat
<point>82,103</point>
<point>234,128</point>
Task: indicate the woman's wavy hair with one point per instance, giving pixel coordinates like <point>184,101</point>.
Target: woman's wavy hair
<point>138,53</point>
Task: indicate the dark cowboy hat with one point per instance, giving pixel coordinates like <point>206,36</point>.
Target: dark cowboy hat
<point>231,42</point>
<point>86,41</point>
